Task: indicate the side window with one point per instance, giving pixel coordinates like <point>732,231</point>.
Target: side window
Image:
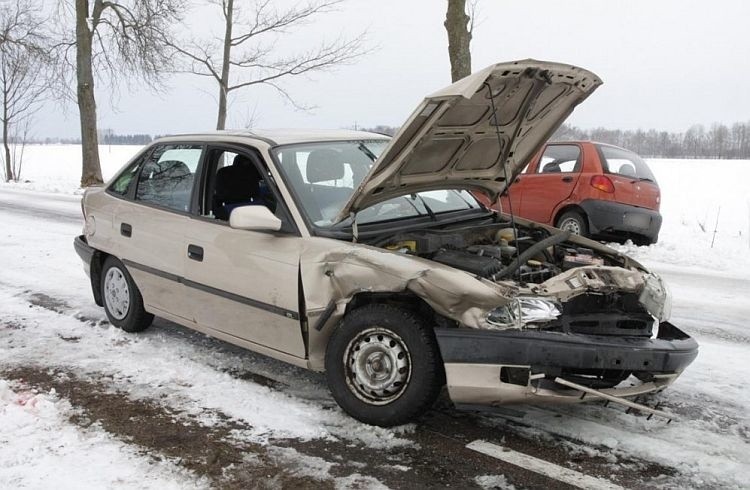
<point>167,176</point>
<point>560,159</point>
<point>125,182</point>
<point>235,180</point>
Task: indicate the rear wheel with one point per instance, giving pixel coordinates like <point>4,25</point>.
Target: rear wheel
<point>574,222</point>
<point>122,300</point>
<point>383,365</point>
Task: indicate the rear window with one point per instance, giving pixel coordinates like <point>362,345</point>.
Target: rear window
<point>626,163</point>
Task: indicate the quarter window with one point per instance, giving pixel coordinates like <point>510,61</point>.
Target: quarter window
<point>167,176</point>
<point>125,182</point>
<point>625,163</point>
<point>560,158</point>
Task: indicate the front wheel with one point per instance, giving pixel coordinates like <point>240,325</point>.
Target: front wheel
<point>383,365</point>
<point>122,300</point>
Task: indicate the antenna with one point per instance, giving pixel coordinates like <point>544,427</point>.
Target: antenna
<point>505,175</point>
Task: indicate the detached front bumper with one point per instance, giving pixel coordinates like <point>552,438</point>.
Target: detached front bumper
<point>490,367</point>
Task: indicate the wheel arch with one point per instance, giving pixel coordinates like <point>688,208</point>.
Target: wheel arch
<point>571,207</point>
<point>403,299</point>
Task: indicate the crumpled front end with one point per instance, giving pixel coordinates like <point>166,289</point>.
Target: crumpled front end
<point>519,314</point>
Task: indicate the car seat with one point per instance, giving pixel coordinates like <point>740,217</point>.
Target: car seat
<point>236,185</point>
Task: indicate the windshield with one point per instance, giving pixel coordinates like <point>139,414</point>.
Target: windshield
<point>325,175</point>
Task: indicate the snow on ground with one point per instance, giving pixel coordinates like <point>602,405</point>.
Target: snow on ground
<point>710,445</point>
<point>57,168</point>
<point>39,446</point>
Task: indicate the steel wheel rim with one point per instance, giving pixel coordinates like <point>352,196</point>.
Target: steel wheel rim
<point>571,225</point>
<point>377,366</point>
<point>116,293</point>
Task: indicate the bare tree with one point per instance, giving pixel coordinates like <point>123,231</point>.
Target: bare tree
<point>23,81</point>
<point>114,39</point>
<point>245,54</point>
<point>460,24</point>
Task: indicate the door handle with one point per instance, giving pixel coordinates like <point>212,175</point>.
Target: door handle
<point>126,230</point>
<point>567,179</point>
<point>195,252</point>
<point>518,179</point>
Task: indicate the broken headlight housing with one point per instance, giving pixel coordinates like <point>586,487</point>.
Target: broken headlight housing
<point>524,311</point>
<point>656,297</point>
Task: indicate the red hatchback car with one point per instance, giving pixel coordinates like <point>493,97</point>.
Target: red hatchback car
<point>592,189</point>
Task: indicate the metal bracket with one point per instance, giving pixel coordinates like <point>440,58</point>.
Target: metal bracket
<point>616,399</point>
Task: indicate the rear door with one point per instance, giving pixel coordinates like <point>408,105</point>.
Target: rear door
<point>634,183</point>
<point>150,224</point>
<point>244,283</point>
<point>549,181</point>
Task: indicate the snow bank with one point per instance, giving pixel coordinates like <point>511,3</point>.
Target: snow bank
<point>39,448</point>
<point>693,193</point>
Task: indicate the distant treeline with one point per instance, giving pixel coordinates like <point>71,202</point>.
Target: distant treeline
<point>104,139</point>
<point>717,141</point>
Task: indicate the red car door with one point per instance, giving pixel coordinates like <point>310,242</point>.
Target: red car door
<point>548,181</point>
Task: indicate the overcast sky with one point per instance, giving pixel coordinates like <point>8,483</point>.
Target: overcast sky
<point>666,64</point>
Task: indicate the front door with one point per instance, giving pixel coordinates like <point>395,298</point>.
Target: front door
<point>243,283</point>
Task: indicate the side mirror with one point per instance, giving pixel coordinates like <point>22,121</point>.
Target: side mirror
<point>258,218</point>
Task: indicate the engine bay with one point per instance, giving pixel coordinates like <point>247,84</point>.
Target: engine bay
<point>498,251</point>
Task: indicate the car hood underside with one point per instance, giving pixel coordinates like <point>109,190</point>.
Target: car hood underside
<point>477,133</point>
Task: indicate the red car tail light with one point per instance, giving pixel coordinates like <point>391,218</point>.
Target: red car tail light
<point>603,183</point>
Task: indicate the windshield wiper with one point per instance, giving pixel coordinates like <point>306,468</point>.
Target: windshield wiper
<point>464,199</point>
<point>367,152</point>
<point>427,208</point>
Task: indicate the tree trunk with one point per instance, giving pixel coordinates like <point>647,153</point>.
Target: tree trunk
<point>224,82</point>
<point>459,38</point>
<point>8,166</point>
<point>91,173</point>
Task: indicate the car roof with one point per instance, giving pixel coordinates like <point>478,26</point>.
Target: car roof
<point>586,142</point>
<point>276,137</point>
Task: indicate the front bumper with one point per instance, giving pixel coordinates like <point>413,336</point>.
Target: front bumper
<point>490,367</point>
<point>609,217</point>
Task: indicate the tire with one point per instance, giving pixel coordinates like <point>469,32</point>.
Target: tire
<point>123,302</point>
<point>392,343</point>
<point>574,222</point>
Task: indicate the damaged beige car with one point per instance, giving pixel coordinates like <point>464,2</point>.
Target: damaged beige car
<point>368,258</point>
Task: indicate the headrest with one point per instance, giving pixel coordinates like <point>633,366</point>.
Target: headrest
<point>324,165</point>
<point>241,161</point>
<point>627,169</point>
<point>173,169</point>
<point>551,167</point>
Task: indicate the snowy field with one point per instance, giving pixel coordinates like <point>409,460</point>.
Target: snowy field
<point>252,419</point>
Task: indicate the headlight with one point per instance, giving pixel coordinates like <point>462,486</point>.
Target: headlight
<point>524,312</point>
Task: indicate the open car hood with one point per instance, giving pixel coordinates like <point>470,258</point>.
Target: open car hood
<point>455,140</point>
